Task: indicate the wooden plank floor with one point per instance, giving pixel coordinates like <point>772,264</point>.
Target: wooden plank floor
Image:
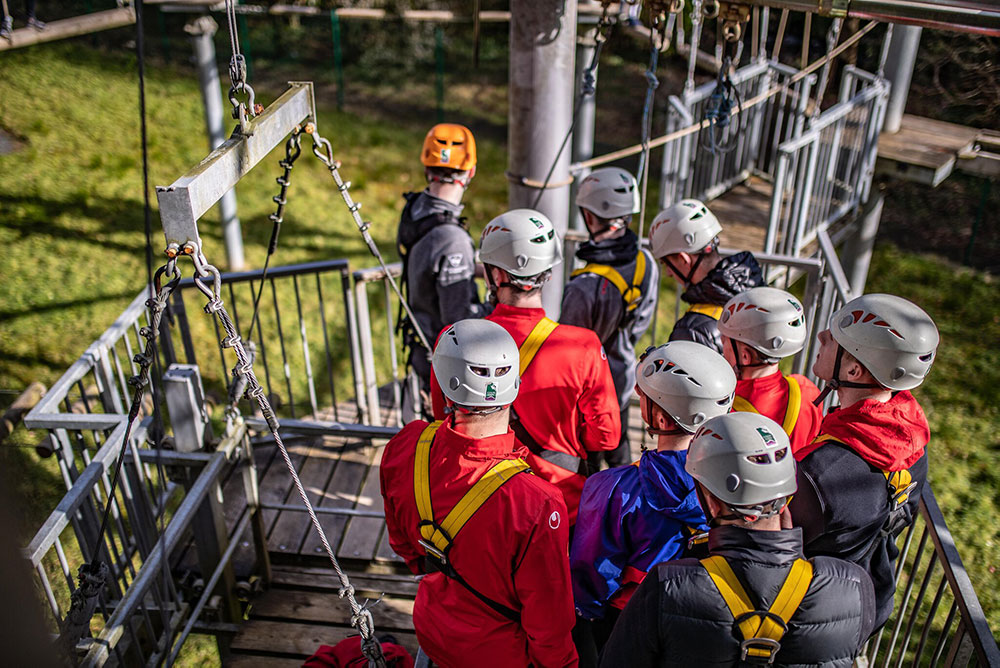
<point>302,611</point>
<point>743,212</point>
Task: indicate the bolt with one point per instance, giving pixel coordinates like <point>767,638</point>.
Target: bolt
<point>258,108</point>
<point>310,128</point>
<point>189,249</point>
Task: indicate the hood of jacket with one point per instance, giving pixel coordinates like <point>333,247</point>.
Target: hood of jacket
<point>617,251</point>
<point>891,435</point>
<point>668,487</point>
<point>733,275</point>
<point>423,212</point>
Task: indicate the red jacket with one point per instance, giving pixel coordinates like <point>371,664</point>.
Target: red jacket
<point>891,436</point>
<point>567,400</point>
<point>513,550</point>
<point>769,395</point>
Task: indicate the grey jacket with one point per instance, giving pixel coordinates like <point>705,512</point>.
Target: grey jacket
<point>677,617</point>
<point>593,302</point>
<point>440,265</point>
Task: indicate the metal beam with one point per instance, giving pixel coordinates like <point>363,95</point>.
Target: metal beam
<point>190,196</point>
<point>975,16</point>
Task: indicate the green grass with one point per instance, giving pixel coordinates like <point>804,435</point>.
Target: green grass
<point>71,230</point>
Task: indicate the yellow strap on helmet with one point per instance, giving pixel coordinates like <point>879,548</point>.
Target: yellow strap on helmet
<point>631,294</point>
<point>791,408</point>
<point>473,500</point>
<point>711,310</point>
<point>539,333</point>
<point>756,625</point>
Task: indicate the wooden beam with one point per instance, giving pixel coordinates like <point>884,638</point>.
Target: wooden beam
<point>72,27</point>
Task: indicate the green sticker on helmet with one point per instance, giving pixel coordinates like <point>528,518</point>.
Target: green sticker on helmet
<point>767,436</point>
<point>539,224</point>
<point>491,392</point>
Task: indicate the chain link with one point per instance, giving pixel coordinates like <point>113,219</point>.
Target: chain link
<point>209,282</point>
<point>323,150</point>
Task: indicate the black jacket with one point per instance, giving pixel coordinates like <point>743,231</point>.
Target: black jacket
<point>842,506</point>
<point>677,617</point>
<point>733,275</point>
<point>592,302</point>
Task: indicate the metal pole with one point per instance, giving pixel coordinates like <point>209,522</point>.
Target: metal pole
<point>542,39</point>
<point>899,70</point>
<point>201,30</point>
<point>583,133</point>
<point>858,248</point>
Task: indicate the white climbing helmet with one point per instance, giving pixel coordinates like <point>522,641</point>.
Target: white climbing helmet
<point>745,460</point>
<point>476,364</point>
<point>769,320</point>
<point>522,242</point>
<point>689,381</point>
<point>686,227</point>
<point>609,192</point>
<point>892,337</point>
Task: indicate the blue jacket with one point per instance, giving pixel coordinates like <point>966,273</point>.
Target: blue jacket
<point>631,518</point>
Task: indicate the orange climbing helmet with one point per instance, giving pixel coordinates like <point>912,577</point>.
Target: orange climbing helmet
<point>449,145</point>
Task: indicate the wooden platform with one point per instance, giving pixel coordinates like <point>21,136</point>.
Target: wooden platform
<point>302,611</point>
<point>744,212</point>
<point>924,150</point>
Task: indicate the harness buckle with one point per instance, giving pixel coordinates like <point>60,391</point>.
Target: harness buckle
<point>759,651</point>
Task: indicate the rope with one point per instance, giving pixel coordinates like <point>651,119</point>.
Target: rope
<point>361,617</point>
<point>323,150</point>
<point>691,129</point>
<point>832,37</point>
<point>652,82</point>
<point>780,36</point>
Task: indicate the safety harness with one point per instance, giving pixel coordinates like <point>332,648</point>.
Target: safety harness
<point>899,486</point>
<point>791,409</point>
<point>438,538</point>
<point>711,310</point>
<point>539,333</point>
<point>631,294</point>
<point>410,232</point>
<point>762,630</point>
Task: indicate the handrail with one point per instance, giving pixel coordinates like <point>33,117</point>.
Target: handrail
<point>958,578</point>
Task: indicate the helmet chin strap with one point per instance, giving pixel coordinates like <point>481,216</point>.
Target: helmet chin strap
<point>524,285</point>
<point>612,227</point>
<point>739,365</point>
<point>836,383</point>
<point>435,178</point>
<point>694,267</point>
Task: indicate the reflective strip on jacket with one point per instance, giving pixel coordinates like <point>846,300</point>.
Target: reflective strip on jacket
<point>513,550</point>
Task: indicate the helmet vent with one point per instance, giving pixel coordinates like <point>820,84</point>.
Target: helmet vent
<point>481,371</point>
<point>759,459</point>
<point>540,239</point>
<point>926,358</point>
<point>501,371</point>
<point>780,454</point>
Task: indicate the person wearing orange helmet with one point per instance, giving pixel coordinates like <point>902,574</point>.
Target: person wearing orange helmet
<point>437,252</point>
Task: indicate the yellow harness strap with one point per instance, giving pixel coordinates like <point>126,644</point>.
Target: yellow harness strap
<point>490,482</point>
<point>900,485</point>
<point>761,632</point>
<point>791,408</point>
<point>630,293</point>
<point>711,310</point>
<point>535,339</point>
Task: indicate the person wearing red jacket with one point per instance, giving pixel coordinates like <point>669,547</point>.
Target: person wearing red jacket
<point>758,328</point>
<point>462,506</point>
<point>860,480</point>
<point>567,406</point>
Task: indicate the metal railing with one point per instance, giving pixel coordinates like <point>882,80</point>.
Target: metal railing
<point>937,618</point>
<point>692,171</point>
<point>825,173</point>
<point>145,617</point>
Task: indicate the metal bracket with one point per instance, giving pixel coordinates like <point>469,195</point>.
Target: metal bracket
<point>190,196</point>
